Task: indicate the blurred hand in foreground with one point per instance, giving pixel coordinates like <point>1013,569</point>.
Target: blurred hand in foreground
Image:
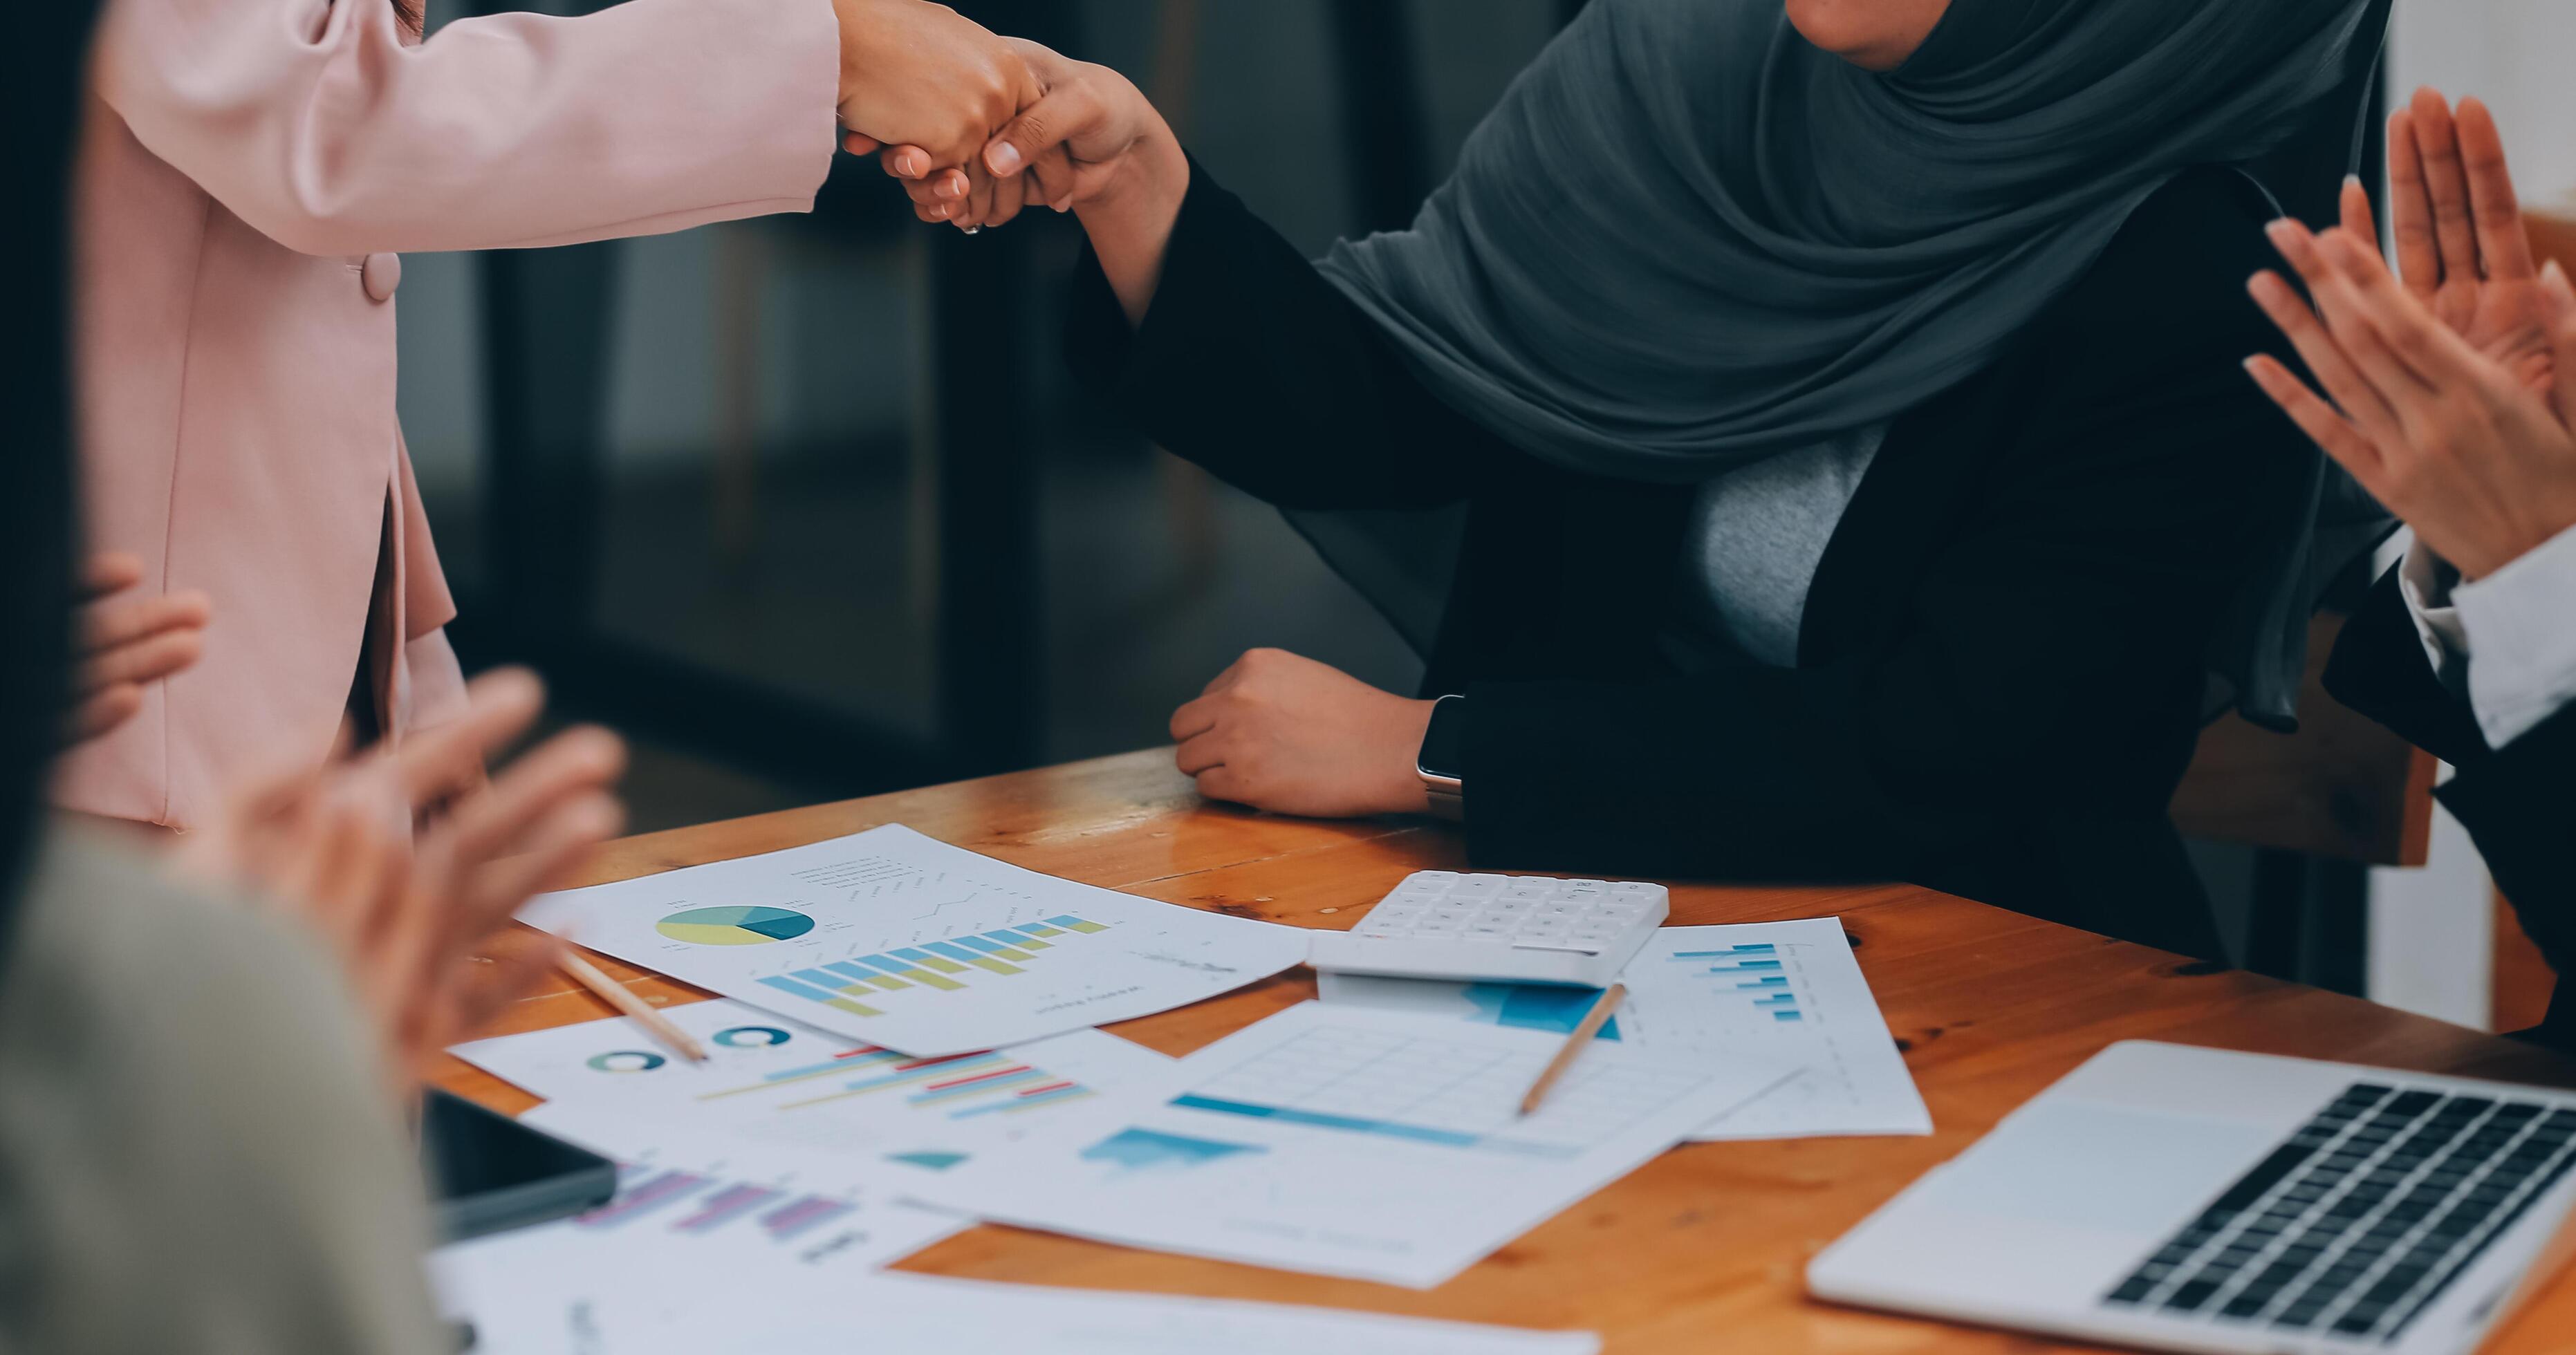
<point>417,918</point>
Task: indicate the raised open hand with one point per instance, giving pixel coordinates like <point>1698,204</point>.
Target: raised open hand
<point>410,914</point>
<point>2461,247</point>
<point>2458,442</point>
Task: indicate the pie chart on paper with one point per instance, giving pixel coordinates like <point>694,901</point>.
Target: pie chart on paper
<point>742,925</point>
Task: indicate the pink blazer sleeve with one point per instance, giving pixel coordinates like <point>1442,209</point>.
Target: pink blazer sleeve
<point>314,122</point>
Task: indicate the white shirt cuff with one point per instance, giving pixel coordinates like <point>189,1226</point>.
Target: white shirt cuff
<point>2519,626</point>
<point>2425,581</point>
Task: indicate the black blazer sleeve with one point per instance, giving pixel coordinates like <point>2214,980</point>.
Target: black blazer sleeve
<point>2518,802</point>
<point>1252,365</point>
<point>2030,649</point>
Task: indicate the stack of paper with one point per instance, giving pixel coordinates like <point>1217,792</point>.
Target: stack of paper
<point>909,1047</point>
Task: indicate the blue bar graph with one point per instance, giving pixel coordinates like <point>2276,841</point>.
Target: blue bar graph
<point>1789,1015</point>
<point>1447,1138</point>
<point>1754,948</point>
<point>806,991</point>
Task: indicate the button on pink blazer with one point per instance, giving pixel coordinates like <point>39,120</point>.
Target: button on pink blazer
<point>249,170</point>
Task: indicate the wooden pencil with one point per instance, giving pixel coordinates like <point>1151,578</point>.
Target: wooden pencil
<point>1584,1030</point>
<point>623,998</point>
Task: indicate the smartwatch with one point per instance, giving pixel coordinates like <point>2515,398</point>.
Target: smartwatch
<point>1442,762</point>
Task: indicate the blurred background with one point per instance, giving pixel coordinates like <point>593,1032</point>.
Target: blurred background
<point>807,507</point>
<point>806,504</point>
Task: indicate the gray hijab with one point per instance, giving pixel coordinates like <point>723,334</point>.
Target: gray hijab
<point>1687,239</point>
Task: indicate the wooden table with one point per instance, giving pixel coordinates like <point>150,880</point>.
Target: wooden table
<point>1701,1249</point>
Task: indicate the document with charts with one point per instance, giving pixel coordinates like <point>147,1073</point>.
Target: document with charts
<point>1782,992</point>
<point>902,941</point>
<point>771,1081</point>
<point>1378,1145</point>
<point>549,1292</point>
<point>691,1217</point>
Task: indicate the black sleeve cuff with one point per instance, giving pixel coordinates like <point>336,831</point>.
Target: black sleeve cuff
<point>2517,804</point>
<point>2378,668</point>
<point>1105,352</point>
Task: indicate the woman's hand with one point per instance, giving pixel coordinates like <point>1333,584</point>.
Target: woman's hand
<point>409,916</point>
<point>920,75</point>
<point>124,644</point>
<point>2455,440</point>
<point>1090,137</point>
<point>1288,734</point>
<point>1091,144</point>
<point>2461,247</point>
<point>1075,146</point>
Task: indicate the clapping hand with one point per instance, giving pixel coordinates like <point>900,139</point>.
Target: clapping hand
<point>2454,394</point>
<point>409,914</point>
<point>2461,247</point>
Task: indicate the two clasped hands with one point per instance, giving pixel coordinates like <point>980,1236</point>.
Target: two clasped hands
<point>980,126</point>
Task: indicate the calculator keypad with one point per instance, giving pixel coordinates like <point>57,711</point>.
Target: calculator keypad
<point>1521,910</point>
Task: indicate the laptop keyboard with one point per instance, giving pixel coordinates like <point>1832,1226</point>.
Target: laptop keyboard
<point>2359,1220</point>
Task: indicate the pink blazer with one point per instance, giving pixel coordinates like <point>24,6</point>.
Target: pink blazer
<point>249,170</point>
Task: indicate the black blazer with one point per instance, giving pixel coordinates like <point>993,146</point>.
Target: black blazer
<point>1999,675</point>
<point>2518,802</point>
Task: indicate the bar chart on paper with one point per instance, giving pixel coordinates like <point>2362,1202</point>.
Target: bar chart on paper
<point>789,1083</point>
<point>890,937</point>
<point>1383,1145</point>
<point>1790,992</point>
<point>688,1202</point>
<point>934,967</point>
<point>1419,1088</point>
<point>690,1217</point>
<point>1753,970</point>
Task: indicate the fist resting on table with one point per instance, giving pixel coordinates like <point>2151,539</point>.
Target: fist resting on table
<point>1284,733</point>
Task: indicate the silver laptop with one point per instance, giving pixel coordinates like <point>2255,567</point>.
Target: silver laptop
<point>2193,1199</point>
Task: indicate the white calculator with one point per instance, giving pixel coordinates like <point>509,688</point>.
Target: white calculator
<point>1440,924</point>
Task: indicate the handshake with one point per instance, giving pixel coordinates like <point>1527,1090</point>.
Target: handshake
<point>978,126</point>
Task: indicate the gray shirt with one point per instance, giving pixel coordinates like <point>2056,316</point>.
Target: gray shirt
<point>1757,534</point>
<point>196,1151</point>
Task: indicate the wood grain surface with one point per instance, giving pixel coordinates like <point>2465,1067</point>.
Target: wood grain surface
<point>1700,1250</point>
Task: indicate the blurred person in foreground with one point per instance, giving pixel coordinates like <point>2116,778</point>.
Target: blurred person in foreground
<point>207,1058</point>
